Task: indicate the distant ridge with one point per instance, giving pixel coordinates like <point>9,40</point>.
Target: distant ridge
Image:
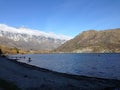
<point>24,30</point>
<point>93,41</point>
<point>28,39</point>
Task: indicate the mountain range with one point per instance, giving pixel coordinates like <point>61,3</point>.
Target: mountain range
<point>28,39</point>
<point>87,41</point>
<point>93,41</point>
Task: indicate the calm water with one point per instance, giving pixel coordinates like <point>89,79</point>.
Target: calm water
<point>96,65</point>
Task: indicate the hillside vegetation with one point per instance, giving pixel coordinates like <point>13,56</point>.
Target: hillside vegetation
<point>93,41</point>
<point>11,50</point>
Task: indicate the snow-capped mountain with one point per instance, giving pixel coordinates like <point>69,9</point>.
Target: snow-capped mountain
<point>25,38</point>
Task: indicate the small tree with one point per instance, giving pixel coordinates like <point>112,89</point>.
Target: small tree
<point>1,52</point>
<point>17,50</point>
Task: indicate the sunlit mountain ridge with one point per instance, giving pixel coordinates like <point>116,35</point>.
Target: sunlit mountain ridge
<point>93,41</point>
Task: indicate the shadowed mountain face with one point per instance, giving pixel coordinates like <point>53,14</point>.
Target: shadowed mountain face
<point>93,41</point>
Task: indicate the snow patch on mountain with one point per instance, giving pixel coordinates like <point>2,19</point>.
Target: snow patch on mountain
<point>22,30</point>
<point>28,39</point>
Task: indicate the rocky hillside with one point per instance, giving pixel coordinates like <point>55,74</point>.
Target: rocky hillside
<point>93,41</point>
<point>28,39</point>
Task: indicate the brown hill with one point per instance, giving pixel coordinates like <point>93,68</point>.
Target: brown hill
<point>93,41</point>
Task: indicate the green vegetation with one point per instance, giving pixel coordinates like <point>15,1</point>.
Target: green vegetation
<point>11,50</point>
<point>14,50</point>
<point>5,85</point>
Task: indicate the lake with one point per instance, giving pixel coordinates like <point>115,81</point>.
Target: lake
<point>103,65</point>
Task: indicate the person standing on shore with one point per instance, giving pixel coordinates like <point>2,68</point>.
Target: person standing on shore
<point>29,60</point>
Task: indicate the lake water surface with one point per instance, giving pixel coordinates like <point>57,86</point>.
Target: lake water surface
<point>105,65</point>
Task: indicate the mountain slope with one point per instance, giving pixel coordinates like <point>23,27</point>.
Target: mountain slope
<point>28,39</point>
<point>93,41</point>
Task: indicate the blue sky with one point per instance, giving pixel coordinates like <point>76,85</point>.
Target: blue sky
<point>68,17</point>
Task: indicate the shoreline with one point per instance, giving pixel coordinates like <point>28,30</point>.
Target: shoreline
<point>78,77</point>
<point>96,72</point>
<point>30,77</point>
